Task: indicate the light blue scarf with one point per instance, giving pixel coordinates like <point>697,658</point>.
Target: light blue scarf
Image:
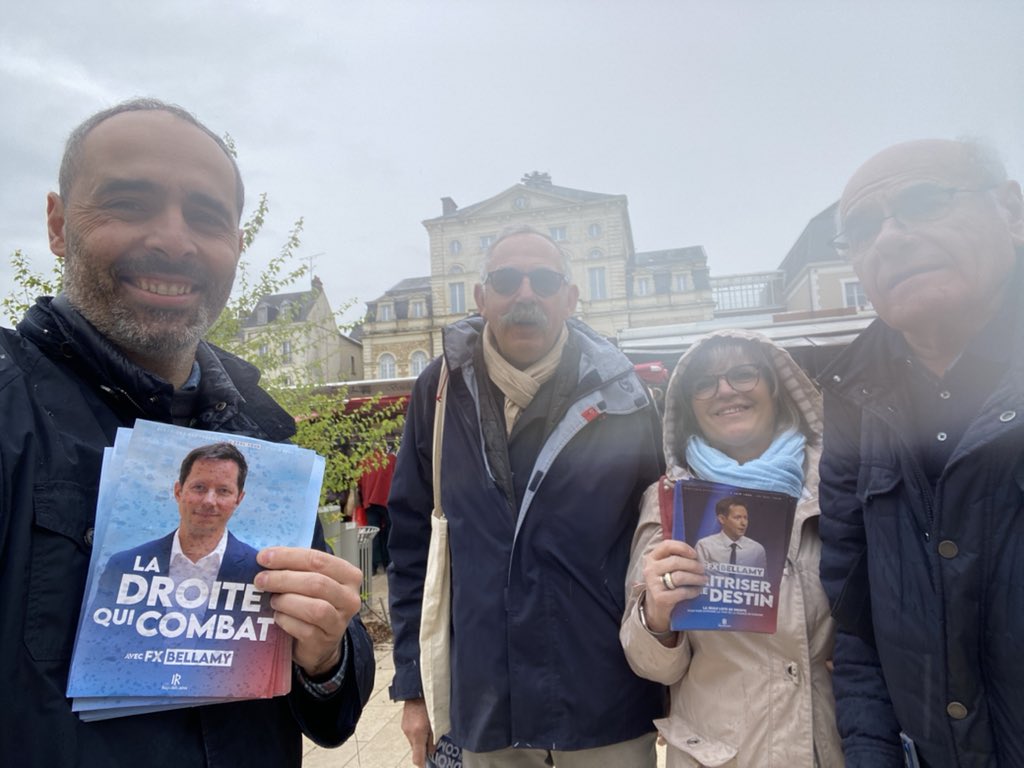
<point>780,468</point>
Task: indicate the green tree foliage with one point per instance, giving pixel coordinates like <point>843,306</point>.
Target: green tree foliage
<point>28,284</point>
<point>353,436</point>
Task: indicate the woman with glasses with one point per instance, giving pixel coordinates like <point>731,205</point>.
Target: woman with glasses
<point>739,411</point>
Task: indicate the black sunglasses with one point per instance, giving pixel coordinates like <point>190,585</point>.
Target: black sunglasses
<point>742,378</point>
<point>544,282</point>
<point>916,204</point>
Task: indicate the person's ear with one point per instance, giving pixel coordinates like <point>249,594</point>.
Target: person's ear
<point>572,297</point>
<point>1012,203</point>
<point>478,297</point>
<point>55,224</point>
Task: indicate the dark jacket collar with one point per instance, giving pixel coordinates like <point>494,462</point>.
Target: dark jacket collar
<point>67,338</point>
<point>599,358</point>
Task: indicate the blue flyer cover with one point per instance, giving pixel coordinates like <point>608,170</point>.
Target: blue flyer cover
<point>741,536</point>
<point>170,614</point>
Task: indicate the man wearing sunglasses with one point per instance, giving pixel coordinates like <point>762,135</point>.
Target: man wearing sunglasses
<point>549,442</point>
<point>923,467</point>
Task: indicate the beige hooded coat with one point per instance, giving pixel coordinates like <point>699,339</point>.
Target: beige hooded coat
<point>744,699</point>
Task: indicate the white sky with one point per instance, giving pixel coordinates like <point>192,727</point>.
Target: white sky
<point>727,123</point>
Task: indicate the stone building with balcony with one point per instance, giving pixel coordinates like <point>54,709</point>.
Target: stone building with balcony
<point>619,288</point>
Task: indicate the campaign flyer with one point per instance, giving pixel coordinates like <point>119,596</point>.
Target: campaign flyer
<point>447,754</point>
<point>741,536</point>
<point>170,614</point>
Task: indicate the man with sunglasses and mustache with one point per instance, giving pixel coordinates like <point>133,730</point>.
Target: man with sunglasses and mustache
<point>147,225</point>
<point>549,441</point>
<point>923,467</point>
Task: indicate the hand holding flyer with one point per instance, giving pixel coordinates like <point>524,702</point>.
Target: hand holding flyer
<point>740,536</point>
<point>315,612</point>
<point>172,614</point>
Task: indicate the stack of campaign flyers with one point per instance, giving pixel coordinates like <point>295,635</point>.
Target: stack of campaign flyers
<point>161,632</point>
<point>741,536</point>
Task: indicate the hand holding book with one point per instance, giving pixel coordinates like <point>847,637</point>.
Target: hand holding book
<point>672,573</point>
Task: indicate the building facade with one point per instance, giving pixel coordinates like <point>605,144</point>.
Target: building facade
<point>619,288</point>
<point>816,277</point>
<point>295,339</point>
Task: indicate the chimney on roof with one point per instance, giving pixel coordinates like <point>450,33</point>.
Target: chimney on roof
<point>317,285</point>
<point>537,179</point>
<point>448,206</point>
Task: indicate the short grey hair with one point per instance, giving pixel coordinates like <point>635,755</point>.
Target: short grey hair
<point>525,229</point>
<point>72,159</point>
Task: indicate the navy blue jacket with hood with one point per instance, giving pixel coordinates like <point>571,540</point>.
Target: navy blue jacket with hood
<point>540,525</point>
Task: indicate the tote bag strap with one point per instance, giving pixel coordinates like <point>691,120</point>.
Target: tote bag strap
<point>435,619</point>
<point>442,397</point>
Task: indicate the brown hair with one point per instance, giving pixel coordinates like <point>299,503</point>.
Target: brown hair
<point>217,452</point>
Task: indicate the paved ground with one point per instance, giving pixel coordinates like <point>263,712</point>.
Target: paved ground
<point>379,741</point>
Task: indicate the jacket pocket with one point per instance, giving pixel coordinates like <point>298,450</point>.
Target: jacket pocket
<point>875,482</point>
<point>698,750</point>
<point>61,547</point>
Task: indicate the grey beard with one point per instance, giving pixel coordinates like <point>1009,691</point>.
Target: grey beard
<point>151,332</point>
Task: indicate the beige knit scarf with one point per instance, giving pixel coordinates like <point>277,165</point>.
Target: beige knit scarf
<point>519,387</point>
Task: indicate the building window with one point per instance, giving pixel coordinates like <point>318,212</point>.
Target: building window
<point>264,349</point>
<point>454,247</point>
<point>595,253</point>
<point>286,352</point>
<point>643,286</point>
<point>682,283</point>
<point>594,230</point>
<point>352,364</point>
<point>853,295</point>
<point>417,362</point>
<point>520,203</point>
<point>386,366</point>
<point>558,234</point>
<point>418,308</point>
<point>595,281</point>
<point>385,312</point>
<point>486,241</point>
<point>456,298</point>
<point>455,269</point>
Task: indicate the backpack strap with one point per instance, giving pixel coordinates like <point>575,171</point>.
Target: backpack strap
<point>666,492</point>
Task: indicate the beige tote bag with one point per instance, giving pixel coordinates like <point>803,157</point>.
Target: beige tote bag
<point>435,619</point>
